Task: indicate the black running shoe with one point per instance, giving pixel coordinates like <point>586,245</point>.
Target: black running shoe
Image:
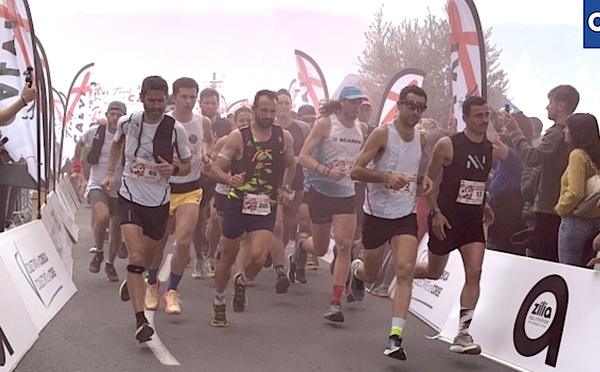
<point>394,348</point>
<point>282,284</point>
<point>123,291</point>
<point>219,318</point>
<point>144,333</point>
<point>292,269</point>
<point>357,286</point>
<point>239,299</point>
<point>111,273</point>
<point>334,313</point>
<point>96,262</point>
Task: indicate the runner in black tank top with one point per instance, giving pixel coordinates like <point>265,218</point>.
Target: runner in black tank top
<point>460,209</point>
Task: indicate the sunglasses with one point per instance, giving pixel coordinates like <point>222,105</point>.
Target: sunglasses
<point>412,105</point>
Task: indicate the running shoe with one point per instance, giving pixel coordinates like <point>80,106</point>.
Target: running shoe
<point>291,269</point>
<point>123,291</point>
<point>111,273</point>
<point>357,286</point>
<point>122,252</point>
<point>463,344</point>
<point>334,313</point>
<point>312,262</point>
<point>282,283</point>
<point>144,333</point>
<point>198,272</point>
<point>380,291</point>
<point>219,318</point>
<point>172,302</point>
<point>300,255</point>
<point>394,348</point>
<point>208,268</point>
<point>151,297</point>
<point>96,262</point>
<point>239,299</point>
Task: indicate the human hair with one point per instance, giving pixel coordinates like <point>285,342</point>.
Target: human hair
<point>583,130</point>
<point>525,126</point>
<point>284,92</point>
<point>184,82</point>
<point>567,95</point>
<point>414,89</point>
<point>155,83</point>
<point>264,92</point>
<point>330,107</point>
<point>241,109</point>
<point>208,92</point>
<point>536,125</point>
<point>472,101</point>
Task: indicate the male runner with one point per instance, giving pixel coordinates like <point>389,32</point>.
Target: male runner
<point>185,197</point>
<point>389,162</point>
<point>104,205</point>
<point>458,210</point>
<point>261,157</point>
<point>147,141</point>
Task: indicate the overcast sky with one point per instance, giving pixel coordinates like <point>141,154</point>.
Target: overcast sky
<point>249,44</point>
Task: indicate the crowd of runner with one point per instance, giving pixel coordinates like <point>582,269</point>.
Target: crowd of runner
<point>239,189</point>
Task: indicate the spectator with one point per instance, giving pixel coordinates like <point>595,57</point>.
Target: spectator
<point>581,133</point>
<point>27,95</point>
<point>552,155</point>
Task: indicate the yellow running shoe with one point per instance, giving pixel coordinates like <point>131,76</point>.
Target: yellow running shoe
<point>172,302</point>
<point>151,298</point>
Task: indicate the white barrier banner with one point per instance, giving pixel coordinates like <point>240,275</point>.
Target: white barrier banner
<point>59,235</point>
<point>17,331</point>
<point>537,315</point>
<point>36,271</point>
<point>54,202</point>
<point>71,191</point>
<point>432,300</point>
<point>66,200</point>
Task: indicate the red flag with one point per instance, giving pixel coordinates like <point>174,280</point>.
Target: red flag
<point>311,79</point>
<point>467,58</point>
<point>387,107</point>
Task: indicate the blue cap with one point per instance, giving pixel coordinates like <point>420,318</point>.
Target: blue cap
<point>352,92</point>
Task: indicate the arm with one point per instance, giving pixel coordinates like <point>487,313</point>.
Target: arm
<point>27,95</point>
<point>533,156</point>
<point>116,149</point>
<point>442,154</point>
<point>375,144</point>
<point>575,189</point>
<point>231,148</point>
<point>208,141</point>
<point>319,133</point>
<point>289,159</point>
<point>529,182</point>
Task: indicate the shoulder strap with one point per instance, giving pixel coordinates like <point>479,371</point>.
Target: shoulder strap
<point>93,155</point>
<point>162,143</point>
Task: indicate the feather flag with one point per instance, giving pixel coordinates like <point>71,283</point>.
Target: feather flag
<point>467,55</point>
<point>387,107</point>
<point>311,79</point>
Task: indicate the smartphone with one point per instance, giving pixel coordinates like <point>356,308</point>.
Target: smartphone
<point>507,108</point>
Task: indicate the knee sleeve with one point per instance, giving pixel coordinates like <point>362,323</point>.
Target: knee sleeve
<point>135,269</point>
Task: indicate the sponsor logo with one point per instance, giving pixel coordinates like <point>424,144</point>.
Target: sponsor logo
<point>591,23</point>
<point>541,319</point>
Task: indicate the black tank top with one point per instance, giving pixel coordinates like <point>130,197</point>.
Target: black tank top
<point>263,163</point>
<point>299,138</point>
<point>462,190</point>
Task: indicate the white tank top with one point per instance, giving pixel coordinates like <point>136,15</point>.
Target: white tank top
<point>399,157</point>
<point>195,134</point>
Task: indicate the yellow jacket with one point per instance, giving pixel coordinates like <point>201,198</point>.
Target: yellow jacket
<point>572,185</point>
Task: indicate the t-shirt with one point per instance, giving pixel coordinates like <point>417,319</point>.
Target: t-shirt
<point>142,184</point>
<point>98,171</point>
<point>195,135</point>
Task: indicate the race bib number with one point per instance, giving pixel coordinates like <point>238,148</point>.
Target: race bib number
<point>409,189</point>
<point>257,205</point>
<point>471,192</point>
<point>344,165</point>
<point>142,169</point>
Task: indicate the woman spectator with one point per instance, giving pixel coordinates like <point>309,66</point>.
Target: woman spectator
<point>575,232</point>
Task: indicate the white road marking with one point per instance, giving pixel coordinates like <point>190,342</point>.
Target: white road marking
<point>159,349</point>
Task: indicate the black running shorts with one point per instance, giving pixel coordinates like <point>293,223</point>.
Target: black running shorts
<point>464,230</point>
<point>235,223</point>
<point>376,231</point>
<point>219,204</point>
<point>322,208</point>
<point>152,220</point>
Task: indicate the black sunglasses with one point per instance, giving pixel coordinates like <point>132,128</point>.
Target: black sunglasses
<point>412,105</point>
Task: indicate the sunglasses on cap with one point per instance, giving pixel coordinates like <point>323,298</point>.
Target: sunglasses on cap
<point>412,105</point>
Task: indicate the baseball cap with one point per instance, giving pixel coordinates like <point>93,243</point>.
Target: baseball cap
<point>351,92</point>
<point>117,105</point>
<point>306,110</point>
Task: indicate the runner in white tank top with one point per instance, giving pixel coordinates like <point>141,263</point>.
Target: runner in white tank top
<point>389,162</point>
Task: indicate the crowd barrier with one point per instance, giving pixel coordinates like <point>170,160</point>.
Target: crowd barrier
<point>531,315</point>
<point>36,267</point>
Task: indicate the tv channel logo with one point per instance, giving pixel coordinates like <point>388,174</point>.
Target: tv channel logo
<point>591,23</point>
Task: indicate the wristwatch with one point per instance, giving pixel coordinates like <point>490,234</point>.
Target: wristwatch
<point>433,211</point>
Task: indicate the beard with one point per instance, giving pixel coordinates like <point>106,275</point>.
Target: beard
<point>265,123</point>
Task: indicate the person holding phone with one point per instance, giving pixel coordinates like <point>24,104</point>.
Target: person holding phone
<point>27,95</point>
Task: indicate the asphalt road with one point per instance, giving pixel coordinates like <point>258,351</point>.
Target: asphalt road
<point>95,331</point>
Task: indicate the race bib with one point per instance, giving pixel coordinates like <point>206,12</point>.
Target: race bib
<point>344,165</point>
<point>257,205</point>
<point>471,192</point>
<point>142,169</point>
<point>409,189</point>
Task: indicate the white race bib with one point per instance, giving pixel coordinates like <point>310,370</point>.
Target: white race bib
<point>257,205</point>
<point>344,165</point>
<point>471,192</point>
<point>142,169</point>
<point>409,189</point>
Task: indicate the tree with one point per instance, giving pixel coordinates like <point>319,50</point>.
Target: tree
<point>423,45</point>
